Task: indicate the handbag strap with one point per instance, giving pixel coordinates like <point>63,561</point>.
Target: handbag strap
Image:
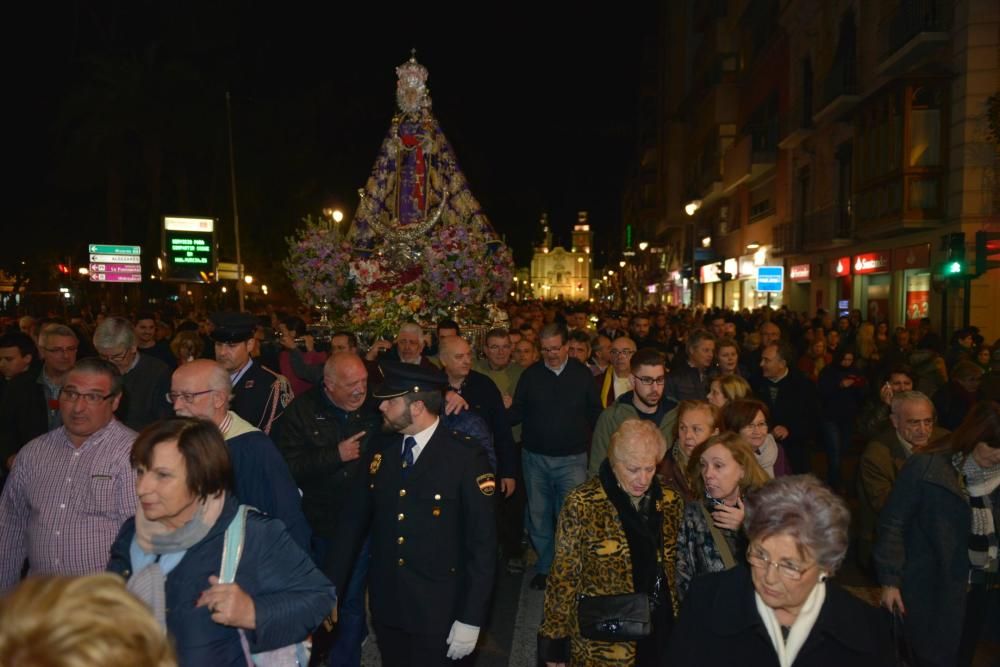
<point>232,548</point>
<point>720,542</point>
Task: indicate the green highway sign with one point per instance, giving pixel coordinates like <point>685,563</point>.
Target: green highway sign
<point>115,249</point>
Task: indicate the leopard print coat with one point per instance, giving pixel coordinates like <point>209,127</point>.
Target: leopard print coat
<point>592,558</point>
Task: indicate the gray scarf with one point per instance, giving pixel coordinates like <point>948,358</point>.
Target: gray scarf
<point>149,584</point>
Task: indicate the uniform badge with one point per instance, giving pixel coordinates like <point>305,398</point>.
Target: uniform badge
<point>487,483</point>
<point>373,466</point>
<point>248,384</point>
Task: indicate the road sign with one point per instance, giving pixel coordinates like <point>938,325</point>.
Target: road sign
<point>98,249</point>
<point>115,259</point>
<point>189,249</point>
<point>115,263</point>
<point>103,277</point>
<point>770,278</point>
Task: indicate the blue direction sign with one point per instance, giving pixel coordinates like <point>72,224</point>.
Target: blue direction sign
<point>770,278</point>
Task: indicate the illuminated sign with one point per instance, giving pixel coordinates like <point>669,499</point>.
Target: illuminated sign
<point>770,278</point>
<point>800,272</point>
<point>872,262</point>
<point>841,267</point>
<point>710,272</point>
<point>189,249</point>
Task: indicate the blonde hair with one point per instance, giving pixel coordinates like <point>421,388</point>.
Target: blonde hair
<point>865,340</point>
<point>79,622</point>
<point>733,387</point>
<point>637,433</point>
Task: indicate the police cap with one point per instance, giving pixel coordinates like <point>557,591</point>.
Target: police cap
<point>401,379</point>
<point>232,327</point>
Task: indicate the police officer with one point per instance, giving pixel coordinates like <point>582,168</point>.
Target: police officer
<point>428,498</point>
<point>259,394</point>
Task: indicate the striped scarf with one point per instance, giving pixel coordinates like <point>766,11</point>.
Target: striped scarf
<point>980,483</point>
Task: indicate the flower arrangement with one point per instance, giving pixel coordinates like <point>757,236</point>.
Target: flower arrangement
<point>457,274</point>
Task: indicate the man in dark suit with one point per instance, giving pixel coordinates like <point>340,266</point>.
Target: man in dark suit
<point>792,401</point>
<point>428,498</point>
<point>260,395</point>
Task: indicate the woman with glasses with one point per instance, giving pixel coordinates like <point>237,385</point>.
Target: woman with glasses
<point>749,418</point>
<point>780,609</point>
<point>722,470</point>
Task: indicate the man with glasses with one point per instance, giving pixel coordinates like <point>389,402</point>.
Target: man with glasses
<point>325,433</point>
<point>72,488</point>
<point>145,379</point>
<point>557,404</point>
<point>690,381</point>
<point>260,395</point>
<point>913,428</point>
<point>30,405</point>
<point>645,401</point>
<point>201,389</point>
<point>617,379</point>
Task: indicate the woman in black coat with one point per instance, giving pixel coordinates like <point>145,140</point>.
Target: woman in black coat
<point>780,610</point>
<point>841,389</point>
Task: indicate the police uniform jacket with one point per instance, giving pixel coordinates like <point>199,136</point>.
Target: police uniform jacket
<point>433,534</point>
<point>260,397</point>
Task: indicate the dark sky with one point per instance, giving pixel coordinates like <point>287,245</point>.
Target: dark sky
<point>540,110</point>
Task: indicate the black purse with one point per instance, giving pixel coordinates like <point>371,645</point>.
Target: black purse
<point>614,618</point>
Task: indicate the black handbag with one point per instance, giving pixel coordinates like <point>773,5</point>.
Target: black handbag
<point>905,657</point>
<point>614,618</point>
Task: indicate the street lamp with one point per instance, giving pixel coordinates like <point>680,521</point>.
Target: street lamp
<point>622,263</point>
<point>643,245</point>
<point>692,206</point>
<point>248,279</point>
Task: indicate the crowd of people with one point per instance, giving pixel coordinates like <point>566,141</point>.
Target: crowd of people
<point>657,470</point>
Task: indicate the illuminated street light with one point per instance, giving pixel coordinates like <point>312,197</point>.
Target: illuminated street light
<point>622,263</point>
<point>753,245</point>
<point>83,271</point>
<point>263,288</point>
<point>338,215</point>
<point>707,241</point>
<point>224,290</point>
<point>248,279</point>
<point>692,206</point>
<point>643,245</point>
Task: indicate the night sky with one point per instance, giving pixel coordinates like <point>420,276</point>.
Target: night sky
<point>119,114</point>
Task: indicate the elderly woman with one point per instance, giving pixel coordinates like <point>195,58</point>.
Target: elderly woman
<point>781,610</point>
<point>697,421</point>
<point>617,534</point>
<point>723,470</point>
<point>728,388</point>
<point>750,418</point>
<point>171,554</point>
<point>936,554</point>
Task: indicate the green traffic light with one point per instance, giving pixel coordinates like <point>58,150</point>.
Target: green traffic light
<point>953,268</point>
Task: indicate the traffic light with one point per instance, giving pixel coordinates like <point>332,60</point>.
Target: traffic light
<point>987,251</point>
<point>63,269</point>
<point>955,264</point>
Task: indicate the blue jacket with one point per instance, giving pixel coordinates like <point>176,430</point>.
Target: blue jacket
<point>291,596</point>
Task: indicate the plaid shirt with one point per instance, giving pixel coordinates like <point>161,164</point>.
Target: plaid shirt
<point>63,505</point>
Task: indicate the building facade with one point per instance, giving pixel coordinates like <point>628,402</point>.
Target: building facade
<point>557,273</point>
<point>843,140</point>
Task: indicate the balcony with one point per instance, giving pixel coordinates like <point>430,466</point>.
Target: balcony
<point>784,239</point>
<point>753,155</point>
<point>840,90</point>
<point>796,125</point>
<point>829,227</point>
<point>918,28</point>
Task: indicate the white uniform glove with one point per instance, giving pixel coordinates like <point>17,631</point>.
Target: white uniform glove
<point>462,640</point>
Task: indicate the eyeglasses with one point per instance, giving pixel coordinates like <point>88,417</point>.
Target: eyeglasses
<point>114,358</point>
<point>61,350</point>
<point>622,353</point>
<point>757,426</point>
<point>646,381</point>
<point>71,396</point>
<point>186,396</point>
<point>759,561</point>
